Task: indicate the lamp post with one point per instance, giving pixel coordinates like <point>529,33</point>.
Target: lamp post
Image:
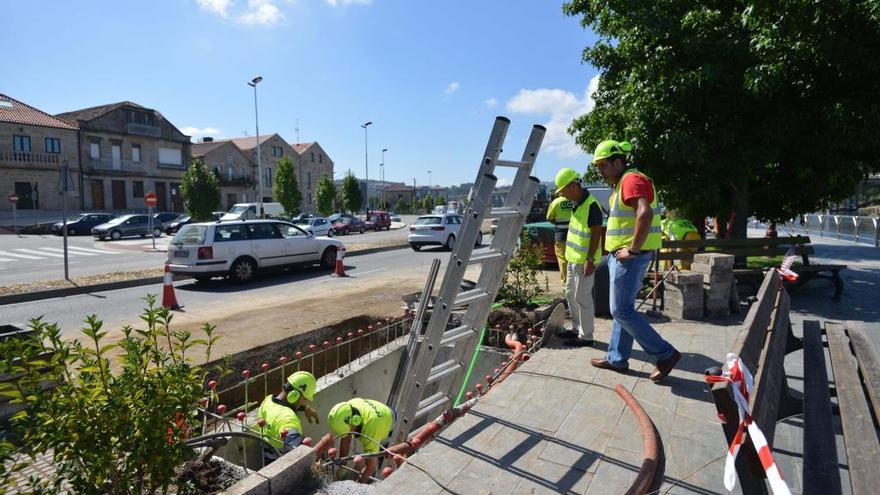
<point>430,185</point>
<point>253,84</point>
<point>366,167</point>
<point>382,174</point>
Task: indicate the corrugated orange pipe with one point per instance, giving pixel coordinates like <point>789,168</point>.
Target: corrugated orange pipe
<point>651,452</point>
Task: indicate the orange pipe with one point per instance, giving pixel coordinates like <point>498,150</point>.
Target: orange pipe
<point>651,453</point>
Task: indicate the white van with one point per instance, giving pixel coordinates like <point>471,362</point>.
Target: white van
<point>248,211</point>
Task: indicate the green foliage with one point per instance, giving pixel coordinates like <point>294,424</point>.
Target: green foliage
<point>200,189</point>
<point>352,199</point>
<point>285,190</point>
<point>428,203</point>
<point>738,106</point>
<point>521,283</point>
<point>112,428</point>
<point>441,201</point>
<point>400,206</point>
<point>325,195</point>
<point>416,205</point>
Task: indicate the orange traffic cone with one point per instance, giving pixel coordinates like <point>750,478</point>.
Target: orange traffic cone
<point>340,268</point>
<point>169,300</point>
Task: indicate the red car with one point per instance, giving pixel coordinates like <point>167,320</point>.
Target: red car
<point>378,220</point>
<point>347,225</point>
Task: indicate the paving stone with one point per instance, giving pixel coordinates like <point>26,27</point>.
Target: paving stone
<point>616,472</point>
<point>546,477</point>
<point>627,433</point>
<point>586,431</point>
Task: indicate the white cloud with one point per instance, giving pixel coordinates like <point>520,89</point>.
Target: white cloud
<point>491,102</point>
<point>337,3</point>
<point>219,7</point>
<point>563,107</point>
<point>262,12</point>
<point>452,88</point>
<point>200,132</point>
<point>503,182</point>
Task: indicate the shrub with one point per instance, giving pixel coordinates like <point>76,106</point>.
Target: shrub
<point>521,280</point>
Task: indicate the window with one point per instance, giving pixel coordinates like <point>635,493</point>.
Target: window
<point>263,231</point>
<point>21,144</point>
<point>310,198</point>
<point>320,157</point>
<point>170,156</point>
<point>94,150</point>
<point>137,189</point>
<point>268,177</point>
<point>313,156</point>
<point>241,172</point>
<point>53,145</point>
<point>229,172</point>
<point>309,181</point>
<point>224,233</point>
<point>135,152</point>
<point>229,159</point>
<point>277,151</point>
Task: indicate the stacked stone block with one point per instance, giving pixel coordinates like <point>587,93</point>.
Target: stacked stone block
<point>717,272</point>
<point>683,295</point>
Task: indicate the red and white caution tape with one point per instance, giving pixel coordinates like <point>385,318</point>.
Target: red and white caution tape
<point>785,268</point>
<point>742,383</point>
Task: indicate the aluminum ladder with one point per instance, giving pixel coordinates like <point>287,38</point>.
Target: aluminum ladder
<point>425,385</point>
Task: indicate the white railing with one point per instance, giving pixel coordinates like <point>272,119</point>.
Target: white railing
<point>854,228</point>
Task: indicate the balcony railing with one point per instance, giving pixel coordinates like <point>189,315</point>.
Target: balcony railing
<point>28,157</point>
<point>237,180</point>
<point>175,166</point>
<point>103,164</point>
<point>143,130</point>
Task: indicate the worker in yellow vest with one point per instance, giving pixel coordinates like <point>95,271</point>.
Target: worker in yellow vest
<point>679,229</point>
<point>283,428</point>
<point>559,214</point>
<point>582,254</point>
<point>370,421</point>
<point>633,232</point>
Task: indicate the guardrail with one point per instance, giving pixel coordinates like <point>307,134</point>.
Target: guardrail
<point>854,228</point>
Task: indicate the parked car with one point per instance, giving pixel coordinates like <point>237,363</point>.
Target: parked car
<point>239,249</point>
<point>378,220</point>
<point>437,230</point>
<point>347,225</point>
<point>126,226</point>
<point>336,216</point>
<point>161,218</point>
<point>316,225</point>
<point>175,225</point>
<point>302,216</point>
<point>82,223</point>
<point>245,211</point>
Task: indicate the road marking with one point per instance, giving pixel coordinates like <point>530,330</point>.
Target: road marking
<point>22,256</point>
<point>89,250</point>
<point>3,260</point>
<point>70,252</point>
<point>41,253</point>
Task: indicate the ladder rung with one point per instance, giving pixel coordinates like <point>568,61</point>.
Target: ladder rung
<point>442,370</point>
<point>503,212</point>
<point>456,334</point>
<point>508,163</point>
<point>470,296</point>
<point>487,256</point>
<point>428,404</point>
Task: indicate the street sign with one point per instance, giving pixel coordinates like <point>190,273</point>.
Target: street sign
<point>13,198</point>
<point>150,199</point>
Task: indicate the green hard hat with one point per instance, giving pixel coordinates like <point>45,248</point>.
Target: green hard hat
<point>339,419</point>
<point>565,177</point>
<point>609,148</point>
<point>304,382</point>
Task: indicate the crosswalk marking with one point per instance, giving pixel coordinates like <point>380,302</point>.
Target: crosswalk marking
<point>70,252</point>
<point>89,250</point>
<point>41,253</point>
<point>22,256</point>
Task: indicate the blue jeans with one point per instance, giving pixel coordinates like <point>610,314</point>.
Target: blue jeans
<point>626,280</point>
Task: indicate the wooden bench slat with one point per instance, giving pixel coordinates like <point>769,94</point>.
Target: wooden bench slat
<point>821,473</point>
<point>751,337</point>
<point>868,359</point>
<point>766,397</point>
<point>689,255</point>
<point>733,243</point>
<point>859,433</point>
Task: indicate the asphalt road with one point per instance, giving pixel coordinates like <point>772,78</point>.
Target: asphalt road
<point>123,306</point>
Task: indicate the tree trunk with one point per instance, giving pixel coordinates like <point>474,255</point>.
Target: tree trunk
<point>739,203</point>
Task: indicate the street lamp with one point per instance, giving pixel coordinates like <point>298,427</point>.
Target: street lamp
<point>430,190</point>
<point>382,174</point>
<point>366,167</point>
<point>253,84</point>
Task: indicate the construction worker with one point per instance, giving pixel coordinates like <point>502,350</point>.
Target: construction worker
<point>633,232</point>
<point>582,254</point>
<point>283,428</point>
<point>679,229</point>
<point>370,421</point>
<point>559,214</point>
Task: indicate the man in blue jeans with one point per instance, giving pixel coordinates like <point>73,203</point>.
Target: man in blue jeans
<point>633,232</point>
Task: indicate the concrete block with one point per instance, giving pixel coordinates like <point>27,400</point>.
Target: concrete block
<point>714,260</point>
<point>685,277</point>
<point>252,485</point>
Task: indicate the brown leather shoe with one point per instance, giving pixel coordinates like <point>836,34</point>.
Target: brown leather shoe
<point>605,365</point>
<point>665,366</point>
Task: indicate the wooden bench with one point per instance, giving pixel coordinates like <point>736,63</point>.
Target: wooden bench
<point>762,345</point>
<point>742,248</point>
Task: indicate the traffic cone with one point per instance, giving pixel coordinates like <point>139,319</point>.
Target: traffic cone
<point>169,300</point>
<point>340,268</point>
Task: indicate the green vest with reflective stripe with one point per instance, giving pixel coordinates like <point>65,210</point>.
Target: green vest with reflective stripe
<point>677,228</point>
<point>278,418</point>
<point>559,212</point>
<point>577,242</point>
<point>622,221</point>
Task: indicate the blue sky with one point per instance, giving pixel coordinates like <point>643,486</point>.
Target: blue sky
<point>431,76</point>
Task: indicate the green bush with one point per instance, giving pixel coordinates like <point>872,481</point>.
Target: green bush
<point>521,284</point>
<point>113,424</point>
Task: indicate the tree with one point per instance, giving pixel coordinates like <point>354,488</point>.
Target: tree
<point>416,205</point>
<point>286,187</point>
<point>441,201</point>
<point>352,200</point>
<point>428,204</point>
<point>738,106</point>
<point>325,195</point>
<point>200,190</point>
<point>400,206</point>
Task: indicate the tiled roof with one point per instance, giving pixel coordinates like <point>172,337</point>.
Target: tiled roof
<point>14,111</point>
<point>302,147</point>
<point>246,143</point>
<point>202,149</point>
<point>91,113</point>
<point>399,187</point>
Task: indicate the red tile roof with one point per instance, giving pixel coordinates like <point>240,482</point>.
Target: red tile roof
<point>302,147</point>
<point>246,143</point>
<point>16,112</point>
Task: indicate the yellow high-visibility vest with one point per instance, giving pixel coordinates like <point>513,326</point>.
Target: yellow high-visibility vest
<point>622,221</point>
<point>278,418</point>
<point>577,242</point>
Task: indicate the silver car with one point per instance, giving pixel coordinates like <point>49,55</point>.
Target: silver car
<point>126,226</point>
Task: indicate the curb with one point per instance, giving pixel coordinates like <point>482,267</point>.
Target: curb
<point>125,284</point>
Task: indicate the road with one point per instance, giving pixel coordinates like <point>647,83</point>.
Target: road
<point>33,258</point>
<point>219,298</point>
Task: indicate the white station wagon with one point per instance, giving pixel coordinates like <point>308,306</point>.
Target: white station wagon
<point>238,249</point>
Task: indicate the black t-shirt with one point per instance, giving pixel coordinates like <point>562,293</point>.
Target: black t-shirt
<point>594,217</point>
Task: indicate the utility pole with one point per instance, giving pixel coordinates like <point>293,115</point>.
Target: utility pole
<point>382,172</point>
<point>253,84</point>
<point>366,168</point>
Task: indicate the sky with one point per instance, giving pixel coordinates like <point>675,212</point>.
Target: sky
<point>431,76</point>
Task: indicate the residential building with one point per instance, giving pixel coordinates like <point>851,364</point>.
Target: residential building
<point>33,147</point>
<point>312,164</point>
<point>127,151</point>
<point>235,170</point>
<point>395,192</point>
<point>272,148</point>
